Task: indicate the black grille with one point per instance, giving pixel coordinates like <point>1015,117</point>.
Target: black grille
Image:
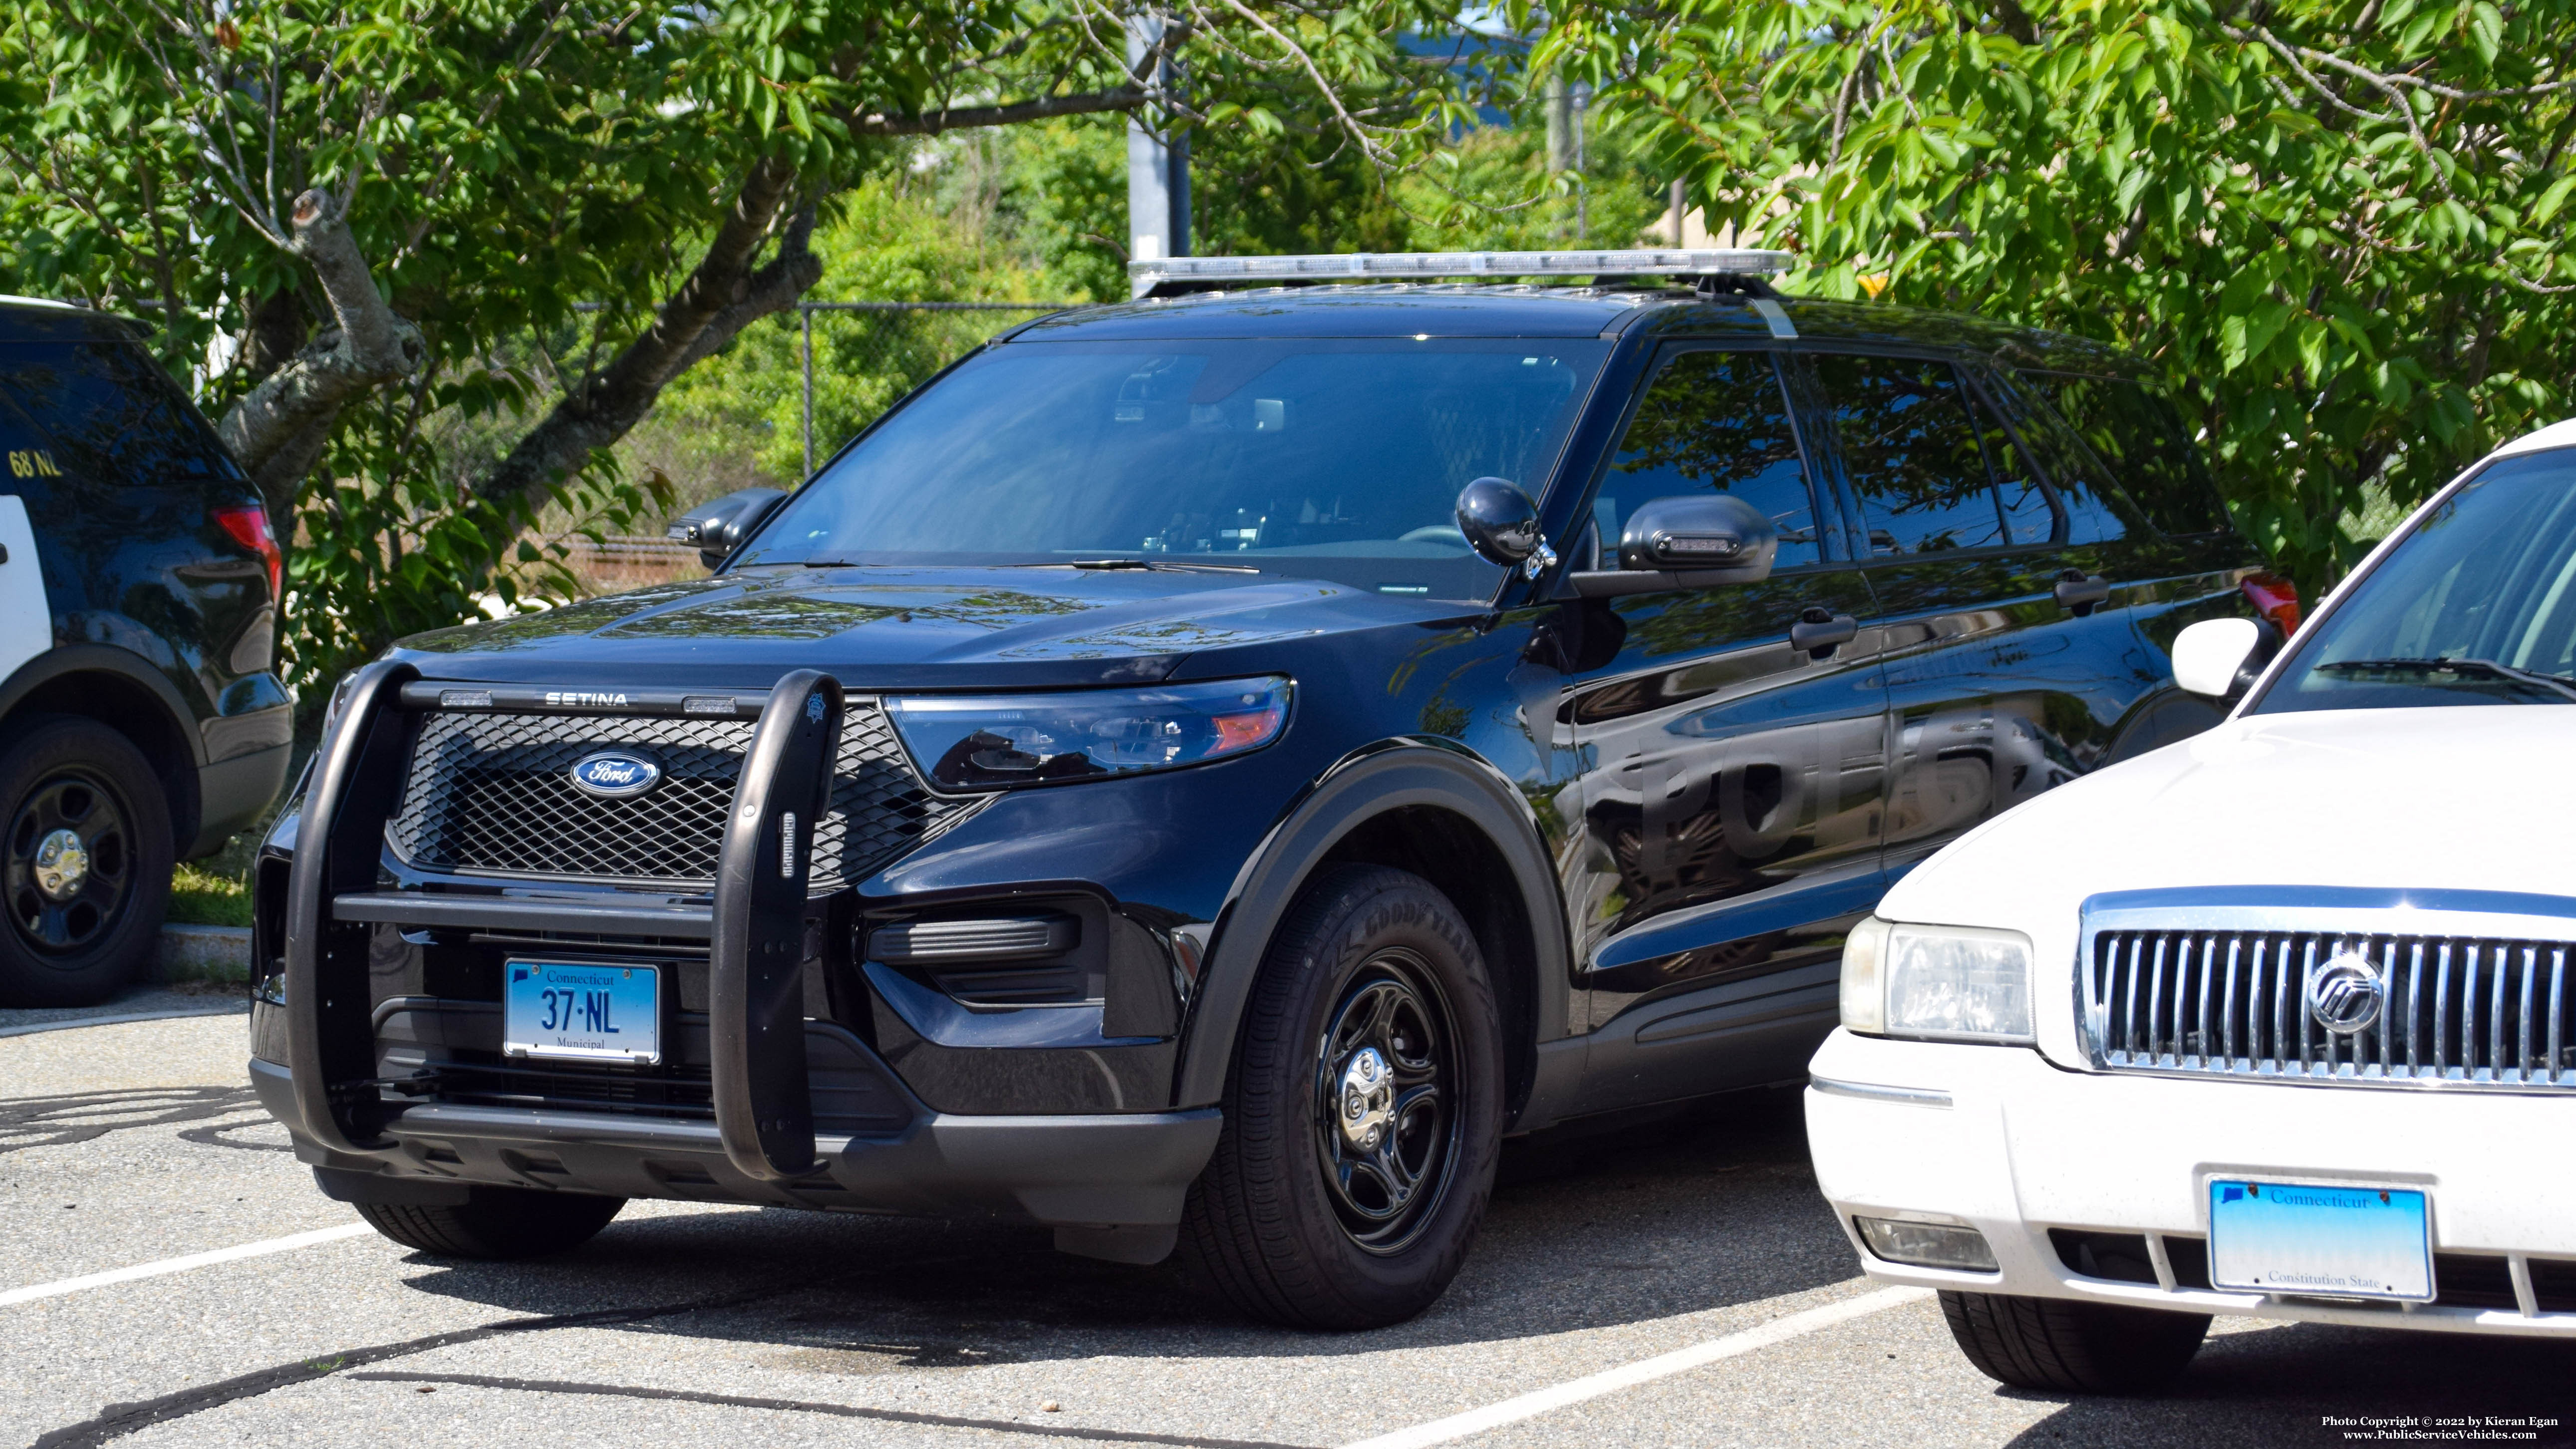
<point>2458,1009</point>
<point>493,792</point>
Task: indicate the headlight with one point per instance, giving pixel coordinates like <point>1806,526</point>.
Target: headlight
<point>1944,983</point>
<point>993,742</point>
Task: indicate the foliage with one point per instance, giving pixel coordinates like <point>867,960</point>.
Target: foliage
<point>538,187</point>
<point>888,244</point>
<point>2338,226</point>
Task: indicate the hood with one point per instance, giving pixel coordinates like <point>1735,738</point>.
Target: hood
<point>906,627</point>
<point>2464,798</point>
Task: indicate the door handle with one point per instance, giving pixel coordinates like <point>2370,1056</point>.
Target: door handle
<point>1820,631</point>
<point>2077,592</point>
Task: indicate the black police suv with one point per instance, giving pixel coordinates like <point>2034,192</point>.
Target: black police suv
<point>1204,771</point>
<point>141,717</point>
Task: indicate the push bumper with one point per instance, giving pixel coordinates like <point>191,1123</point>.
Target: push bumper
<point>778,1083</point>
<point>2063,1171</point>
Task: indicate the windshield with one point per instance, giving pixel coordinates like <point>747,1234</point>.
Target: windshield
<point>1318,458</point>
<point>2476,606</point>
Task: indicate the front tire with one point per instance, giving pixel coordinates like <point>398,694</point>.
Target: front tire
<point>2056,1346</point>
<point>495,1224</point>
<point>1363,1111</point>
<point>84,865</point>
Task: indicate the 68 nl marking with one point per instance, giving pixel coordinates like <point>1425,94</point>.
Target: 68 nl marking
<point>32,463</point>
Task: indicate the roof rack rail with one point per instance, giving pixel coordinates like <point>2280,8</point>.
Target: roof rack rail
<point>1151,276</point>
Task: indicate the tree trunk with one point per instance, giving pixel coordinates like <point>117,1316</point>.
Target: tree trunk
<point>278,428</point>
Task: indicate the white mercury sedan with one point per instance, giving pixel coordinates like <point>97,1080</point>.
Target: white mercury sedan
<point>2273,1022</point>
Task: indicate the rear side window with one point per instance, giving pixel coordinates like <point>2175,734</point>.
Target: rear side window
<point>2139,448</point>
<point>1924,459</point>
<point>112,415</point>
<point>1714,422</point>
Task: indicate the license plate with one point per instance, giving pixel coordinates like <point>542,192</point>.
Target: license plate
<point>2340,1242</point>
<point>582,1010</point>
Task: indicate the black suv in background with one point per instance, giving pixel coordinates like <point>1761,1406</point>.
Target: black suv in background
<point>1203,771</point>
<point>141,718</point>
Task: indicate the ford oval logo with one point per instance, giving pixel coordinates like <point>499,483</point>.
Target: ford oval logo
<point>2346,995</point>
<point>615,775</point>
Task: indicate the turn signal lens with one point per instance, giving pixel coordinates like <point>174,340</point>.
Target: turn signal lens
<point>1864,1002</point>
<point>248,525</point>
<point>996,742</point>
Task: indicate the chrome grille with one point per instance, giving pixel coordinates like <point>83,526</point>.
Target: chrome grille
<point>491,792</point>
<point>2473,1011</point>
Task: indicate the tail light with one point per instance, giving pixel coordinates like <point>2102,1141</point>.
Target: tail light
<point>2275,598</point>
<point>248,524</point>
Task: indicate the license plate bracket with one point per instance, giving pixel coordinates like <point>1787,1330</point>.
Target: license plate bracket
<point>2334,1240</point>
<point>593,1011</point>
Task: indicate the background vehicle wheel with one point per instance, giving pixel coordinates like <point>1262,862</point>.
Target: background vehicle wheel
<point>84,865</point>
<point>1363,1111</point>
<point>496,1223</point>
<point>2072,1348</point>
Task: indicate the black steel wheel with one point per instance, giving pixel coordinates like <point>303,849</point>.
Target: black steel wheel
<point>84,865</point>
<point>1387,1141</point>
<point>1363,1111</point>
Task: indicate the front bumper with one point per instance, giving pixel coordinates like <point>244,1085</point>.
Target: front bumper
<point>1091,1177</point>
<point>2062,1170</point>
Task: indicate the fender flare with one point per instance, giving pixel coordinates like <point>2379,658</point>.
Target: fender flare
<point>125,664</point>
<point>1390,776</point>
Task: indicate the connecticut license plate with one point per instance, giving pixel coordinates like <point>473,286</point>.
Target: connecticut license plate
<point>583,1010</point>
<point>2342,1242</point>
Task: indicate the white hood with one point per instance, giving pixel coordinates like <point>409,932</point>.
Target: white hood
<point>2463,797</point>
<point>2460,798</point>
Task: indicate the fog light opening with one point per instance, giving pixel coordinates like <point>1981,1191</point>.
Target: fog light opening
<point>1928,1245</point>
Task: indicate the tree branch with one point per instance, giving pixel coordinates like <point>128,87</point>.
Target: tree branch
<point>961,118</point>
<point>368,347</point>
<point>607,403</point>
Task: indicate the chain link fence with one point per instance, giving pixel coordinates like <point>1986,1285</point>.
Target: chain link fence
<point>817,380</point>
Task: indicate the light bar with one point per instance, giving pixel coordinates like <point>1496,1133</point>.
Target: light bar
<point>1410,266</point>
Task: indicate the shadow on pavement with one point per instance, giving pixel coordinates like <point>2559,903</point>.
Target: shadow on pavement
<point>2281,1386</point>
<point>1702,1210</point>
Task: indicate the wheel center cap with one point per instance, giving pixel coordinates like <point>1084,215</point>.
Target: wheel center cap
<point>1367,1099</point>
<point>62,865</point>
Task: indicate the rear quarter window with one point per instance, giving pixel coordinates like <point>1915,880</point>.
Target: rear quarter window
<point>113,417</point>
<point>2141,443</point>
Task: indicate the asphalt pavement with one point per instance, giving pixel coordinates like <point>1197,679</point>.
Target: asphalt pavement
<point>1679,1283</point>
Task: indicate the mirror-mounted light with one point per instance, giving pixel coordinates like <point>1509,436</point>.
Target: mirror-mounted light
<point>1720,531</point>
<point>717,527</point>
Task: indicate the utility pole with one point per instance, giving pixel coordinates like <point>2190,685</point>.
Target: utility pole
<point>1582,188</point>
<point>1158,159</point>
<point>1681,200</point>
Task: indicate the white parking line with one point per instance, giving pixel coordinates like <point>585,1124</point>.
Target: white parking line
<point>1644,1370</point>
<point>181,1265</point>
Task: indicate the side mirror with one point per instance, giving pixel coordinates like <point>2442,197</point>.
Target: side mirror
<point>2207,655</point>
<point>718,527</point>
<point>1501,524</point>
<point>1689,542</point>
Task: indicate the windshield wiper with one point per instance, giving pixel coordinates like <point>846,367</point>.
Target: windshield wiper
<point>1163,565</point>
<point>2446,665</point>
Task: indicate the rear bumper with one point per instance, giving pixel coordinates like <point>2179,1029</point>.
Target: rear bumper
<point>2046,1162</point>
<point>1105,1170</point>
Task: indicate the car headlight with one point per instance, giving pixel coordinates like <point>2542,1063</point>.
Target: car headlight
<point>990,742</point>
<point>1941,983</point>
